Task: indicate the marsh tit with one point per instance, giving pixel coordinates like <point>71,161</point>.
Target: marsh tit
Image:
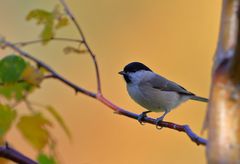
<point>154,92</point>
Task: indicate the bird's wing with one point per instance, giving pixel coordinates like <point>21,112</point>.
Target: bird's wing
<point>163,84</point>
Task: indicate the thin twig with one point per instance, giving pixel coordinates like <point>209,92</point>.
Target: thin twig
<point>99,96</point>
<point>26,43</point>
<point>84,41</point>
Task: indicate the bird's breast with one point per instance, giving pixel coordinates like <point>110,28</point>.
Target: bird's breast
<point>153,99</point>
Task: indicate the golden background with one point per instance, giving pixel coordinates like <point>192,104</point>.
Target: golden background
<point>176,38</point>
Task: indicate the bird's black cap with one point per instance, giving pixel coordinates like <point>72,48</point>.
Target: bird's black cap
<point>135,66</point>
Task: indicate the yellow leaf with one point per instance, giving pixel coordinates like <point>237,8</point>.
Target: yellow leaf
<point>70,49</point>
<point>46,19</point>
<point>7,116</point>
<point>33,128</point>
<point>62,21</point>
<point>59,119</point>
<point>32,75</point>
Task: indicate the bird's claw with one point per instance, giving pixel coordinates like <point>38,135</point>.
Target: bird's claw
<point>158,121</point>
<point>142,116</point>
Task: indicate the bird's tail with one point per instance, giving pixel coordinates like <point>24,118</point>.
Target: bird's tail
<point>198,98</point>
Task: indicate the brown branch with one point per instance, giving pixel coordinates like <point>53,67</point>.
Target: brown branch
<point>99,96</point>
<point>84,41</point>
<point>13,155</point>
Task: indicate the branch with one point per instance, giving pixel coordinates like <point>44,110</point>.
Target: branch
<point>84,41</point>
<point>26,43</point>
<point>13,155</point>
<point>99,96</point>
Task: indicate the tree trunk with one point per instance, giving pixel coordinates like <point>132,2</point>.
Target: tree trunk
<point>223,116</point>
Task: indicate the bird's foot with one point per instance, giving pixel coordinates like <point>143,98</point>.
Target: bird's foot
<point>142,116</point>
<point>158,121</point>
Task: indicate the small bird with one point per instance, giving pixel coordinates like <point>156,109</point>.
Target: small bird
<point>154,92</point>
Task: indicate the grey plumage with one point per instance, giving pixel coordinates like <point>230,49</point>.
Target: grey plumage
<point>153,91</point>
<point>164,84</point>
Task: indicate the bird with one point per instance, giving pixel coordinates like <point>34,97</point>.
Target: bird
<point>154,92</point>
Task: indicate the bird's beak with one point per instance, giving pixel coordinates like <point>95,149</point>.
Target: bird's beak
<point>121,73</point>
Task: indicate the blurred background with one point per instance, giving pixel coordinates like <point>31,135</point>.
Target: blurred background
<point>177,39</point>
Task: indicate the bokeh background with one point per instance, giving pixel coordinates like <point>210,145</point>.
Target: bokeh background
<point>175,38</point>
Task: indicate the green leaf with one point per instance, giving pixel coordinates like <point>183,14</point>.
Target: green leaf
<point>15,91</point>
<point>16,77</point>
<point>33,128</point>
<point>47,33</point>
<point>11,68</point>
<point>51,20</point>
<point>45,18</point>
<point>41,16</point>
<point>7,116</point>
<point>44,159</point>
<point>59,119</point>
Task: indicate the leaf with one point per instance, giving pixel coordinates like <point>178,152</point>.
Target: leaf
<point>62,21</point>
<point>11,68</point>
<point>41,16</point>
<point>33,128</point>
<point>7,116</point>
<point>45,18</point>
<point>15,91</point>
<point>32,75</point>
<point>51,20</point>
<point>70,49</point>
<point>47,33</point>
<point>59,119</point>
<point>44,159</point>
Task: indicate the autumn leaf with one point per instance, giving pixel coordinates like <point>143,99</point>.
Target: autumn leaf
<point>51,21</point>
<point>59,119</point>
<point>32,75</point>
<point>46,19</point>
<point>70,49</point>
<point>47,33</point>
<point>41,16</point>
<point>33,128</point>
<point>15,91</point>
<point>62,21</point>
<point>7,116</point>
